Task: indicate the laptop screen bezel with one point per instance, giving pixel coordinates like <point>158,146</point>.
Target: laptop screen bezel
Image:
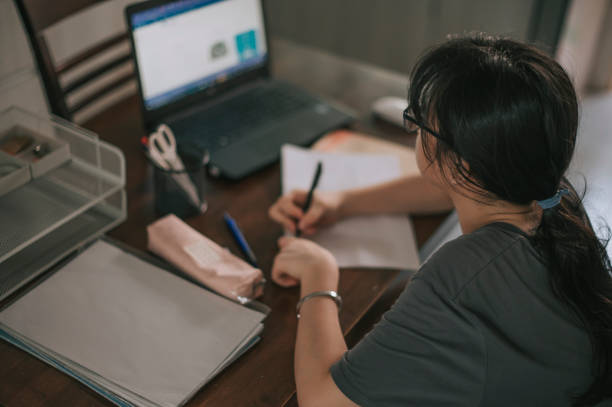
<point>155,116</point>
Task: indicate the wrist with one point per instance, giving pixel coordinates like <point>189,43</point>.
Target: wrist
<point>321,279</point>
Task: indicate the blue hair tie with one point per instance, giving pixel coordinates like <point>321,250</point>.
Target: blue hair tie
<point>553,200</point>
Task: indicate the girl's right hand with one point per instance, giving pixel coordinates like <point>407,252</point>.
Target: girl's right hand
<point>324,210</point>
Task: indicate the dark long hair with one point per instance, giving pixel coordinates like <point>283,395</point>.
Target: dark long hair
<point>510,113</point>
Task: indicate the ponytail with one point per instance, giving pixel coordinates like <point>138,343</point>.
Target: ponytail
<point>580,277</point>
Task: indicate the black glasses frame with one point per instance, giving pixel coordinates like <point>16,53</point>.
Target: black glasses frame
<point>411,125</point>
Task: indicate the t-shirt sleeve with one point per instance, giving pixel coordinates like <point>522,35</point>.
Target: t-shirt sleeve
<point>425,351</point>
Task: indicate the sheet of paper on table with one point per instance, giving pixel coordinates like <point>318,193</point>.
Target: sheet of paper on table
<point>371,241</point>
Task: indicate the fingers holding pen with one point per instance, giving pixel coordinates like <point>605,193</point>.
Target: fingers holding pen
<point>278,216</point>
<point>286,210</point>
<point>324,210</point>
<point>311,218</point>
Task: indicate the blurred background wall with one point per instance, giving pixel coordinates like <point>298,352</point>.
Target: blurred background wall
<point>392,33</point>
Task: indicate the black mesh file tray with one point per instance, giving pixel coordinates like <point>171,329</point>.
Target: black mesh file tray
<point>75,194</point>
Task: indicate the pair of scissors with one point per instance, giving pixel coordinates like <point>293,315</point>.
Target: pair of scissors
<point>162,150</point>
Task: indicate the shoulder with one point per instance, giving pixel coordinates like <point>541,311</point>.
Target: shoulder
<point>456,264</point>
<point>425,350</point>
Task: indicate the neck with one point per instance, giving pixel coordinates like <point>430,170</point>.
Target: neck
<point>474,215</point>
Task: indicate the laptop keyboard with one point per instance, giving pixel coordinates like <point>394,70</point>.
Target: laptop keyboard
<point>231,120</point>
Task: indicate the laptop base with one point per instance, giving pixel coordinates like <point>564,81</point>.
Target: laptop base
<point>244,133</point>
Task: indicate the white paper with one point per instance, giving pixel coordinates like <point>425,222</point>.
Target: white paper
<point>372,241</point>
<point>138,328</point>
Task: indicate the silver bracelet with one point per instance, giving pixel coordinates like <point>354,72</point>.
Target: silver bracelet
<point>328,293</point>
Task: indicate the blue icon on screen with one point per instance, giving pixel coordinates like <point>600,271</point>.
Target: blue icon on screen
<point>247,45</point>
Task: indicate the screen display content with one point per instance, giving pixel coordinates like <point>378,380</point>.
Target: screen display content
<point>190,45</point>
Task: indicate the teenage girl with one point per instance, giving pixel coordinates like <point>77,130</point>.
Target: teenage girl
<point>518,310</point>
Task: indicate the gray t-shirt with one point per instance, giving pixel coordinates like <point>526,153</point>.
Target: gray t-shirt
<point>478,325</point>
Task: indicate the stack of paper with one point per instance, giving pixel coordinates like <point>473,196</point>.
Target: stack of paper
<point>130,330</point>
<point>368,241</point>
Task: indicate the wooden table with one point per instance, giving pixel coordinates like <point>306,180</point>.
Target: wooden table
<point>263,376</point>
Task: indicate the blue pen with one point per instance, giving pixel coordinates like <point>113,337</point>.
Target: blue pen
<point>244,246</point>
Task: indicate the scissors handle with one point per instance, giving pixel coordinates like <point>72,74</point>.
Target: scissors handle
<point>167,136</point>
<point>162,148</point>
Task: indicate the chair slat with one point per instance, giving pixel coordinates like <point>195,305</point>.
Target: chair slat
<point>96,95</point>
<point>89,76</point>
<point>90,52</point>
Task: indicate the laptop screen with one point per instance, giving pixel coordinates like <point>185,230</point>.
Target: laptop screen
<point>187,46</point>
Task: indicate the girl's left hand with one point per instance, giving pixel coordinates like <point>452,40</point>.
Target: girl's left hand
<point>301,261</point>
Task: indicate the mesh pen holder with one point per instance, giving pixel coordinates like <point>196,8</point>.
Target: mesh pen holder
<point>180,192</point>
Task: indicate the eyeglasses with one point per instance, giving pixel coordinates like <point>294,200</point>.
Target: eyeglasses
<point>411,125</point>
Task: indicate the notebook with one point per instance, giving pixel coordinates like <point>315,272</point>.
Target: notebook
<point>128,329</point>
<point>203,69</point>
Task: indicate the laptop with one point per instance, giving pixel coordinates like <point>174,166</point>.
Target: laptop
<point>203,69</point>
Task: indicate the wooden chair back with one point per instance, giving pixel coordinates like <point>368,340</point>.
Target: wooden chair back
<point>38,16</point>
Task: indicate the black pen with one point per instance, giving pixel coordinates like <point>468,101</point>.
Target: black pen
<point>315,181</point>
